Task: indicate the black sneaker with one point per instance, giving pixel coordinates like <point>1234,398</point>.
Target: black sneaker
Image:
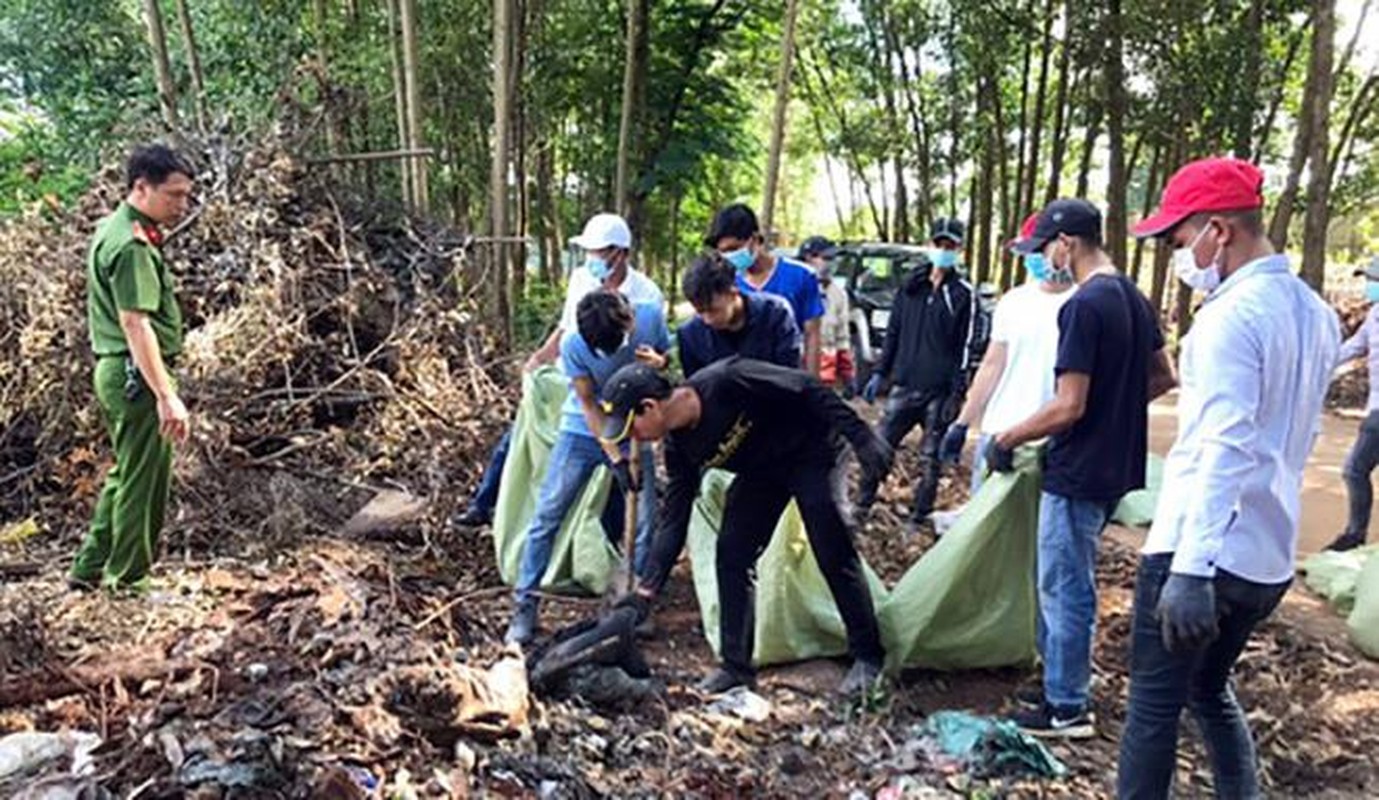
<point>1346,541</point>
<point>723,679</point>
<point>474,517</point>
<point>1031,696</point>
<point>522,628</point>
<point>1049,722</point>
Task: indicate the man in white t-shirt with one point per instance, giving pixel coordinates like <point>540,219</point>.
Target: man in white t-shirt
<point>1016,376</point>
<point>607,244</point>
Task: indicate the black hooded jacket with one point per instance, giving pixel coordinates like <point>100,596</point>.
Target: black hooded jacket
<point>931,334</point>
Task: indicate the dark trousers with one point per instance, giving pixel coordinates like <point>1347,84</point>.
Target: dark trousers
<point>753,507</point>
<point>906,408</point>
<point>1162,683</point>
<point>486,496</point>
<point>1358,466</point>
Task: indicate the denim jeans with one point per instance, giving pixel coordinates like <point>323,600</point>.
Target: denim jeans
<point>979,462</point>
<point>1162,683</point>
<point>486,495</point>
<point>1069,530</point>
<point>1358,466</point>
<point>573,460</point>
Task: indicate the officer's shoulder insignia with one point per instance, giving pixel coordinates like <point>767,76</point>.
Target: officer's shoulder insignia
<point>146,234</point>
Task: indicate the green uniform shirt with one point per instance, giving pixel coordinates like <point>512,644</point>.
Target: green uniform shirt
<point>125,271</point>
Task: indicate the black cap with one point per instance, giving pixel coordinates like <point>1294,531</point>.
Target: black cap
<point>1068,216</point>
<point>1371,271</point>
<point>624,392</point>
<point>817,246</point>
<point>948,228</point>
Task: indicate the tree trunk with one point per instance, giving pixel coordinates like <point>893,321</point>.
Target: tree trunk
<point>1247,89</point>
<point>633,98</point>
<point>1117,108</point>
<point>1359,109</point>
<point>162,71</point>
<point>787,55</point>
<point>1267,126</point>
<point>1001,257</point>
<point>411,74</point>
<point>980,230</point>
<point>498,175</point>
<point>184,17</point>
<point>1319,179</point>
<point>1093,132</point>
<point>918,127</point>
<point>545,211</point>
<point>1061,117</point>
<point>1354,42</point>
<point>1022,165</point>
<point>1037,124</point>
<point>400,101</point>
<point>1302,146</point>
<point>1151,192</point>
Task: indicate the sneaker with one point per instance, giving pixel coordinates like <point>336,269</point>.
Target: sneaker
<point>723,679</point>
<point>860,679</point>
<point>1346,541</point>
<point>522,628</point>
<point>1031,696</point>
<point>474,517</point>
<point>1049,722</point>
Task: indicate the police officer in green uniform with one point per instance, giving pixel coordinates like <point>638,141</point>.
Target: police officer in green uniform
<point>136,334</point>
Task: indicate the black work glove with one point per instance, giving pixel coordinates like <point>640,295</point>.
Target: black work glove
<point>999,459</point>
<point>635,600</point>
<point>622,473</point>
<point>1187,612</point>
<point>875,457</point>
<point>950,449</point>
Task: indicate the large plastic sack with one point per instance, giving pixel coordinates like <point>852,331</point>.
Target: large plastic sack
<point>796,617</point>
<point>1364,618</point>
<point>969,601</point>
<point>1335,575</point>
<point>582,558</point>
<point>1136,510</point>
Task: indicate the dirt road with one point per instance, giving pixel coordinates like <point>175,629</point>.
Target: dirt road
<point>1323,494</point>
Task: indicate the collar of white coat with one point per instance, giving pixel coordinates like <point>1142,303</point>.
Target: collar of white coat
<point>1275,264</point>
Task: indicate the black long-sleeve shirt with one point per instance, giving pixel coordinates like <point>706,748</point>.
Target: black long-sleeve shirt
<point>930,334</point>
<point>755,418</point>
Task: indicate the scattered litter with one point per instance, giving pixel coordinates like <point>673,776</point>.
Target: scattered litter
<point>742,703</point>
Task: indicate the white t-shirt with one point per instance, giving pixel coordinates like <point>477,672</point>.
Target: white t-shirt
<point>1026,321</point>
<point>636,287</point>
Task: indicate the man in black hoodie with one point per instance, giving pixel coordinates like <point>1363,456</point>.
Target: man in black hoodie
<point>928,349</point>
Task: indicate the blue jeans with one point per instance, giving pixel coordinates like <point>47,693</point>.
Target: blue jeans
<point>573,459</point>
<point>486,496</point>
<point>1364,456</point>
<point>1162,683</point>
<point>979,462</point>
<point>1069,530</point>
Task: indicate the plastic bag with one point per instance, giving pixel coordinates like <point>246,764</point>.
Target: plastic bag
<point>1136,510</point>
<point>1363,621</point>
<point>582,558</point>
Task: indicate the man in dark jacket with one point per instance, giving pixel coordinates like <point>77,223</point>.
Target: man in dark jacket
<point>730,322</point>
<point>926,358</point>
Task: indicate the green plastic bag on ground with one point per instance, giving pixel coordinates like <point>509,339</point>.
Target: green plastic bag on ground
<point>1363,622</point>
<point>796,617</point>
<point>969,601</point>
<point>1136,510</point>
<point>1334,575</point>
<point>582,558</point>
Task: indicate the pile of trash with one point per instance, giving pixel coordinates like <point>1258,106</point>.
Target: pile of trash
<point>330,354</point>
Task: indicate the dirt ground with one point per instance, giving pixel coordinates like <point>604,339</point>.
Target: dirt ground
<point>327,669</point>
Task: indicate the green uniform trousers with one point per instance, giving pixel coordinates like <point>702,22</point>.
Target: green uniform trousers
<point>123,538</point>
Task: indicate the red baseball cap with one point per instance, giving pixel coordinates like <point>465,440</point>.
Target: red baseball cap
<point>1211,184</point>
<point>1026,230</point>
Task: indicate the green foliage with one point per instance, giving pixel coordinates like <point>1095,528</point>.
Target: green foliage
<point>535,313</point>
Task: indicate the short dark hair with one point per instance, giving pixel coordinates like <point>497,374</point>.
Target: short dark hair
<point>1251,220</point>
<point>155,163</point>
<point>708,277</point>
<point>603,317</point>
<point>1091,240</point>
<point>736,221</point>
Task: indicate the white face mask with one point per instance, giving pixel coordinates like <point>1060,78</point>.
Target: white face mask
<point>1185,267</point>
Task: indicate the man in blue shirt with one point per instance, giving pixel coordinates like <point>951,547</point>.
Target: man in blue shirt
<point>611,334</point>
<point>1110,365</point>
<point>736,234</point>
<point>728,322</point>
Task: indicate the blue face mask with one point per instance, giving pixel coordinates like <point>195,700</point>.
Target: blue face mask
<point>1034,262</point>
<point>598,267</point>
<point>943,259</point>
<point>741,259</point>
<point>1372,291</point>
